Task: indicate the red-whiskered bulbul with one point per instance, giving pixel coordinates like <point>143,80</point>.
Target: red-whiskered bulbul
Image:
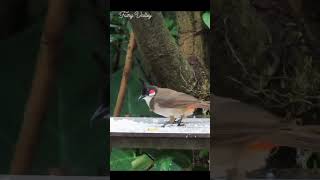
<point>170,103</point>
<point>244,136</point>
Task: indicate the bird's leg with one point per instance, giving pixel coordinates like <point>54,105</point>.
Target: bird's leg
<point>179,121</point>
<point>171,121</point>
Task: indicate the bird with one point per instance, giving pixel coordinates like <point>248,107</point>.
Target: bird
<point>243,135</point>
<point>170,103</point>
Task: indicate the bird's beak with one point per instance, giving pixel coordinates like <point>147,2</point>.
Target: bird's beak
<point>140,97</point>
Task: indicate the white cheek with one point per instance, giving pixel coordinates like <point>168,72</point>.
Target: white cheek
<point>152,94</point>
<point>147,99</point>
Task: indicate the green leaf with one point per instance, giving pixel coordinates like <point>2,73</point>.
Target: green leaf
<point>142,162</point>
<point>172,26</point>
<point>120,160</point>
<point>206,18</point>
<point>182,158</point>
<point>169,23</point>
<point>166,164</point>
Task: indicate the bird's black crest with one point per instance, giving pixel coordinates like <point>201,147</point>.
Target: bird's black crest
<point>144,88</point>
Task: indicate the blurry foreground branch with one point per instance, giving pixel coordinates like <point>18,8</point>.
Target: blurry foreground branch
<point>42,87</point>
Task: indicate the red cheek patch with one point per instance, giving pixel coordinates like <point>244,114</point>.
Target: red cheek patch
<point>152,91</point>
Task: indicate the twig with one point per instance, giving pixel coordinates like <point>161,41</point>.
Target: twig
<point>180,68</point>
<point>42,86</point>
<point>191,89</point>
<point>231,48</point>
<point>125,76</point>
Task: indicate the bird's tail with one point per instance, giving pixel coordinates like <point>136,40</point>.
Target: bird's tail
<point>204,105</point>
<point>307,137</point>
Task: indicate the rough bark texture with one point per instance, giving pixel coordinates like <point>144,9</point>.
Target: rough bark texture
<point>161,53</point>
<point>192,43</point>
<point>191,38</point>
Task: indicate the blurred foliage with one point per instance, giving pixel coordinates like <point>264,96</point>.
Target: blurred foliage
<point>131,159</point>
<point>66,138</point>
<point>155,160</point>
<point>172,26</point>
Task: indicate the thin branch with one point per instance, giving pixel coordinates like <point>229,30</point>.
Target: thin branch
<point>125,76</point>
<point>232,49</point>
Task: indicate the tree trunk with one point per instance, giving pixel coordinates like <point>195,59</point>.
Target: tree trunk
<point>192,42</point>
<point>161,54</point>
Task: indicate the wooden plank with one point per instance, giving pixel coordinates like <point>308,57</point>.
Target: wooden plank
<point>137,132</point>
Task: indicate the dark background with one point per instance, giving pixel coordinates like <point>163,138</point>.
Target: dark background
<point>67,141</point>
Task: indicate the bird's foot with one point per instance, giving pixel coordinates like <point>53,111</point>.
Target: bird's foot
<point>171,121</point>
<point>166,123</point>
<point>179,122</point>
<point>174,121</point>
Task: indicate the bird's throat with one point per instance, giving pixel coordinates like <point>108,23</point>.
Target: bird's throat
<point>148,99</point>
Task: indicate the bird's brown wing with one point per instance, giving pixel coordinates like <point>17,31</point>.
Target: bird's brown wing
<point>238,122</point>
<point>170,98</point>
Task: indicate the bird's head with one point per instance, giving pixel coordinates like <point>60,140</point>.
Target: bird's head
<point>147,91</point>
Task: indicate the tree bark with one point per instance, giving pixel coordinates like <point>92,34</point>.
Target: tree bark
<point>192,43</point>
<point>192,37</point>
<point>161,54</point>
